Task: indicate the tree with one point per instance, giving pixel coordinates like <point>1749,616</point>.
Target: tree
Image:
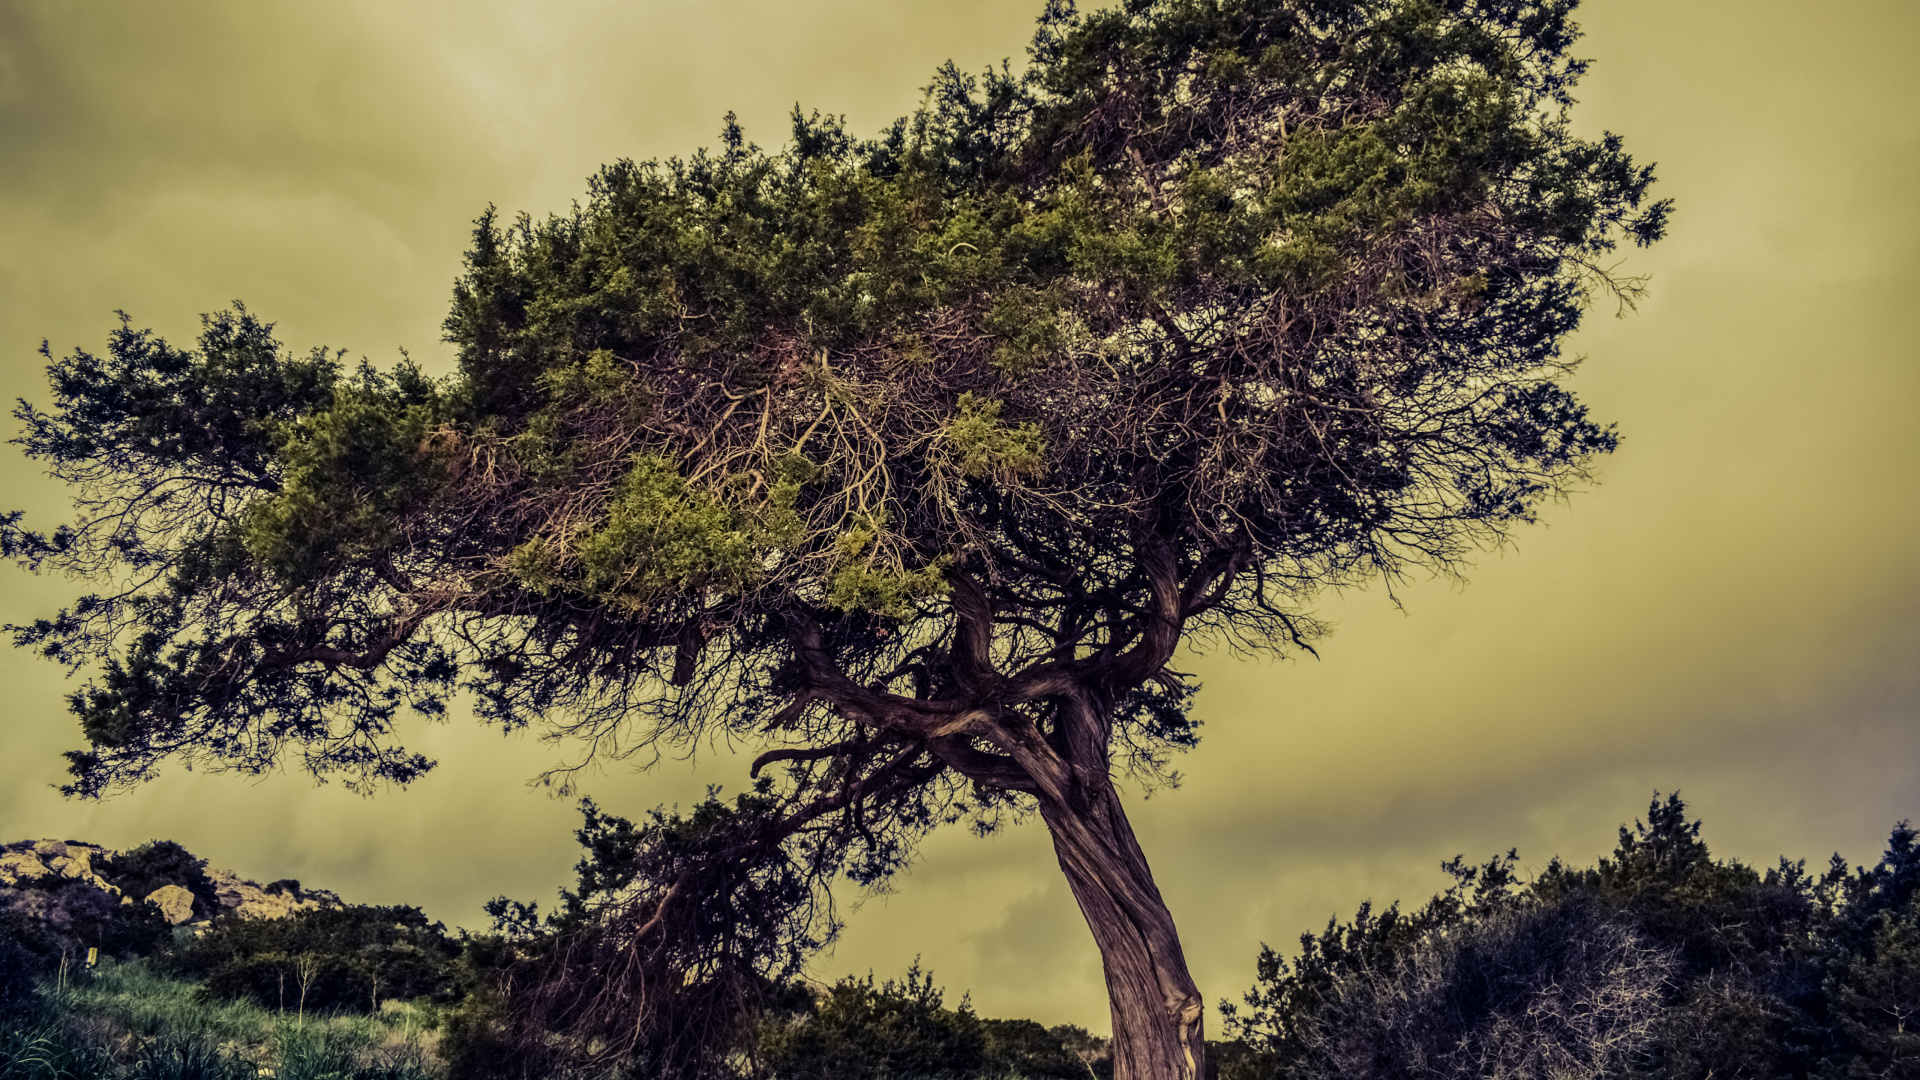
<point>913,458</point>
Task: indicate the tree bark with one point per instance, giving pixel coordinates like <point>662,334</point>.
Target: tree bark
<point>1157,1010</point>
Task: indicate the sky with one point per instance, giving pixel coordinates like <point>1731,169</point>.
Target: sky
<point>1729,612</point>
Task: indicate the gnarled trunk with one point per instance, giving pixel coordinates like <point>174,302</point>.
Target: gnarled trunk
<point>1157,1010</point>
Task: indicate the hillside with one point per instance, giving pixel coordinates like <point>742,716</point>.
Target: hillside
<point>1659,962</point>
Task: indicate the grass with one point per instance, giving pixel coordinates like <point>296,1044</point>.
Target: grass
<point>126,1021</point>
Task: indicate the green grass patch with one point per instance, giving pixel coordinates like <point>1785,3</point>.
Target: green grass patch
<point>129,1021</point>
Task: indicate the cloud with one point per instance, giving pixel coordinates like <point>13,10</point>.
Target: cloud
<point>1731,612</point>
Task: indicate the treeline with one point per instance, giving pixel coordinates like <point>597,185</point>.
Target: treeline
<point>1661,961</point>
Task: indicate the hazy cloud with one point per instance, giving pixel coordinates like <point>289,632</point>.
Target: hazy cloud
<point>1731,612</point>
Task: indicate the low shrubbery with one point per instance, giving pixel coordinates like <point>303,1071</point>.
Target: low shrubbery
<point>860,1030</point>
<point>45,917</point>
<point>1661,962</point>
<point>331,959</point>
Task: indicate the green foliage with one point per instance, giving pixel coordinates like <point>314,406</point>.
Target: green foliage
<point>139,999</point>
<point>1023,1048</point>
<point>1025,326</point>
<point>662,535</point>
<point>862,1030</point>
<point>37,1046</point>
<point>988,447</point>
<point>1775,974</point>
<point>1193,278</point>
<point>857,1030</point>
<point>169,1059</point>
<point>158,863</point>
<point>1876,997</point>
<point>327,959</point>
<point>599,379</point>
<point>128,1021</point>
<point>347,472</point>
<point>859,585</point>
<point>48,916</point>
<point>19,967</point>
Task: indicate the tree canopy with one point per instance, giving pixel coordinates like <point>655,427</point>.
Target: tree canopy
<point>911,459</point>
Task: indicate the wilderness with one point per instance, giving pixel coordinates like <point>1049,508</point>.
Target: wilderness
<point>1660,961</point>
<point>910,463</point>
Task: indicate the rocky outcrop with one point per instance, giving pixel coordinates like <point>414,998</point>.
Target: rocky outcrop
<point>275,901</point>
<point>54,858</point>
<point>70,888</point>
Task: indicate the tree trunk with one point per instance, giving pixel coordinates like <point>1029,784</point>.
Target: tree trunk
<point>1157,1010</point>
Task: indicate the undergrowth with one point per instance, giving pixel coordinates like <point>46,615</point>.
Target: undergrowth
<point>126,1021</point>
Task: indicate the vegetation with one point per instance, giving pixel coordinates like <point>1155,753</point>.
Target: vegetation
<point>330,959</point>
<point>1660,962</point>
<point>157,863</point>
<point>88,918</point>
<point>913,459</point>
<point>127,1021</point>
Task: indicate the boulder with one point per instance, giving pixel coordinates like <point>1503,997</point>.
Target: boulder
<point>174,902</point>
<point>20,866</point>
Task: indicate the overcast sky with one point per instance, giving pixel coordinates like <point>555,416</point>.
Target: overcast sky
<point>1731,612</point>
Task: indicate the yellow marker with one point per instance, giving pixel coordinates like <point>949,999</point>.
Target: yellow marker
<point>93,956</point>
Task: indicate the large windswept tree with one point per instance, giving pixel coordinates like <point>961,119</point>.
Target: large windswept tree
<point>913,460</point>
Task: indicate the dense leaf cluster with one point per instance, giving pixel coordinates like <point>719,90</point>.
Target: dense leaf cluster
<point>1661,962</point>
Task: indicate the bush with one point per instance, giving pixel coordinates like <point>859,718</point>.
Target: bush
<point>158,863</point>
<point>859,1031</point>
<point>347,959</point>
<point>47,916</point>
<point>1025,1049</point>
<point>1661,962</point>
<point>20,967</point>
<point>1530,993</point>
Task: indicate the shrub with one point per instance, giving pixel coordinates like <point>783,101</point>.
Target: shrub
<point>859,1031</point>
<point>46,916</point>
<point>158,863</point>
<point>19,967</point>
<point>348,959</point>
<point>1025,1049</point>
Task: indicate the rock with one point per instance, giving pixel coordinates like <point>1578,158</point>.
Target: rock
<point>37,879</point>
<point>21,865</point>
<point>276,901</point>
<point>174,902</point>
<point>78,863</point>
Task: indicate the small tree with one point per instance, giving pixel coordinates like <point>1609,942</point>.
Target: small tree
<point>913,459</point>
